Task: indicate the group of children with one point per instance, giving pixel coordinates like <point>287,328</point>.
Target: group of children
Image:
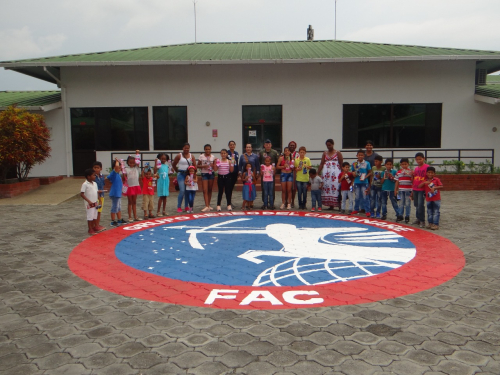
<point>373,186</point>
<point>366,188</point>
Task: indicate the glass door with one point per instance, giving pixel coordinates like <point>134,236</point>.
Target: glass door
<point>261,122</point>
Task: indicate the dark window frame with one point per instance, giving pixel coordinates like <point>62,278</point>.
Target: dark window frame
<point>170,143</point>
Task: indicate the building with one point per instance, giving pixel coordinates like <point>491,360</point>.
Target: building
<point>158,98</point>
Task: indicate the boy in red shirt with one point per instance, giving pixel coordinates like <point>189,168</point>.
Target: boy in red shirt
<point>433,197</point>
<point>346,179</point>
<point>148,193</point>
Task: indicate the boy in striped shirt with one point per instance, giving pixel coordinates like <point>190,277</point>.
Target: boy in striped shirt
<point>404,185</point>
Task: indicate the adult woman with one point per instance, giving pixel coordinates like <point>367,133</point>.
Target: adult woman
<point>370,154</point>
<point>331,161</point>
<point>234,157</point>
<point>206,164</point>
<point>286,165</point>
<point>292,146</point>
<point>180,164</point>
<point>224,167</point>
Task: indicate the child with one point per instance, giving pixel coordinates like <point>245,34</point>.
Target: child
<point>418,193</point>
<point>115,194</point>
<point>99,180</point>
<point>89,193</point>
<point>302,166</point>
<point>376,187</point>
<point>404,180</point>
<point>267,171</point>
<point>248,177</point>
<point>316,183</point>
<point>285,165</point>
<point>133,189</point>
<point>346,179</point>
<point>148,193</point>
<point>191,182</point>
<point>163,184</point>
<point>388,185</point>
<point>362,171</point>
<point>433,198</point>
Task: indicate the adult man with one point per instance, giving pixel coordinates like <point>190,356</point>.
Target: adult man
<point>273,154</point>
<point>253,159</point>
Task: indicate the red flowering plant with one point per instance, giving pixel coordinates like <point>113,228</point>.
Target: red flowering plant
<point>24,141</point>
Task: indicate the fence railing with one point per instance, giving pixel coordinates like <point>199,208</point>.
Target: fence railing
<point>436,156</point>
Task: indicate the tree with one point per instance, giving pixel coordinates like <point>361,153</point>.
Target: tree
<point>24,141</point>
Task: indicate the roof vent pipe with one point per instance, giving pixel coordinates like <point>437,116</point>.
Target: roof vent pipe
<point>310,33</point>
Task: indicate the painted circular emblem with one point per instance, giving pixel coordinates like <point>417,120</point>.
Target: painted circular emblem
<point>266,260</point>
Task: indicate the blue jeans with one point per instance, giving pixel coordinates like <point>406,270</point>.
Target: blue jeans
<point>181,177</point>
<point>315,198</point>
<point>346,194</point>
<point>389,194</point>
<point>433,212</point>
<point>190,197</point>
<point>419,202</point>
<point>302,193</point>
<point>405,202</point>
<point>375,199</point>
<point>362,199</point>
<point>267,188</point>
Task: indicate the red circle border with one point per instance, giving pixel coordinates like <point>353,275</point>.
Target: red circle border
<point>437,260</point>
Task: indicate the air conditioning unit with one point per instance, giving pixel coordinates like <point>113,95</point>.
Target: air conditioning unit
<point>481,77</point>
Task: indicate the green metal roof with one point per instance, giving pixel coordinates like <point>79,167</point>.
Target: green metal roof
<point>260,51</point>
<point>34,100</point>
<point>491,91</point>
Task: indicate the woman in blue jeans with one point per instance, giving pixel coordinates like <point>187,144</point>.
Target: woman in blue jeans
<point>180,164</point>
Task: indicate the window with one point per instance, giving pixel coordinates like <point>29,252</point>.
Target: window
<point>392,125</point>
<point>110,129</point>
<point>170,127</point>
<point>261,122</point>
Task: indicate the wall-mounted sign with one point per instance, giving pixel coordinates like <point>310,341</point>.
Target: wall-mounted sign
<point>214,133</point>
<point>252,133</point>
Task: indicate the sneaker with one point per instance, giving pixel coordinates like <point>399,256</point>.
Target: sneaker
<point>263,207</point>
<point>289,207</point>
<point>422,224</point>
<point>319,209</point>
<point>186,209</point>
<point>282,206</point>
<point>349,212</point>
<point>342,211</point>
<point>114,223</point>
<point>179,209</point>
<point>435,227</point>
<point>399,218</point>
<point>407,219</point>
<point>368,214</point>
<point>416,222</point>
<point>218,208</point>
<point>354,212</point>
<point>121,221</point>
<point>384,217</point>
<point>130,220</point>
<point>378,216</point>
<point>229,208</point>
<point>312,209</point>
<point>429,226</point>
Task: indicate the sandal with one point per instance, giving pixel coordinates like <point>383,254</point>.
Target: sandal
<point>158,214</point>
<point>151,216</point>
<point>145,218</point>
<point>137,219</point>
<point>164,213</point>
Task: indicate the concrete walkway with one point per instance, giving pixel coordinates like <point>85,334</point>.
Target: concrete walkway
<point>52,322</point>
<point>52,194</point>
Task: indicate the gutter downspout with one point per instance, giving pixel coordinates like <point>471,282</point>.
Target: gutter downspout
<point>66,121</point>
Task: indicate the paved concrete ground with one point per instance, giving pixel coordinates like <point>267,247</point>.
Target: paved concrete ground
<point>52,322</point>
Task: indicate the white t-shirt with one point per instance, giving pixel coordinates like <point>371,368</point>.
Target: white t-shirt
<point>90,191</point>
<point>207,161</point>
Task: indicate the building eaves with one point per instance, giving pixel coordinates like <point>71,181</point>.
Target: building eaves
<point>488,94</point>
<point>31,100</point>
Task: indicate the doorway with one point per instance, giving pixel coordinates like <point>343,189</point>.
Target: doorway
<point>261,122</point>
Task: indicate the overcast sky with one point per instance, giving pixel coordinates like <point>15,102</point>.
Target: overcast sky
<point>57,27</point>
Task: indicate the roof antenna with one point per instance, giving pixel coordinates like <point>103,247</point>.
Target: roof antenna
<point>194,3</point>
<point>335,19</point>
<point>310,33</point>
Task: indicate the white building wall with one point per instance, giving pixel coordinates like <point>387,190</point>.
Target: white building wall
<point>312,96</point>
<point>56,164</point>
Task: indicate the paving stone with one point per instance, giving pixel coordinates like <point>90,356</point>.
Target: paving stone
<point>302,347</point>
<point>100,332</point>
<point>327,357</point>
<point>307,367</point>
<point>489,337</point>
<point>469,358</point>
<point>74,340</point>
<point>164,369</point>
<point>463,330</point>
<point>191,360</point>
<point>8,348</point>
<point>300,329</point>
<point>202,323</point>
<point>179,331</point>
<point>356,322</point>
<point>257,368</point>
<point>392,347</point>
<point>70,369</point>
<point>196,339</point>
<point>481,347</point>
<point>408,338</point>
<point>318,321</point>
<point>144,360</point>
<point>406,368</point>
<point>114,340</point>
<point>347,347</point>
<point>371,315</point>
<point>186,316</point>
<point>352,367</point>
<point>224,315</point>
<point>42,350</point>
<point>240,322</point>
<point>164,323</point>
<point>172,349</point>
<point>423,330</point>
<point>217,349</point>
<point>382,330</point>
<point>322,338</point>
<point>20,333</point>
<point>364,338</point>
<point>438,347</point>
<point>282,358</point>
<point>127,323</point>
<point>129,349</point>
<point>99,360</point>
<point>219,330</point>
<point>455,368</point>
<point>239,339</point>
<point>375,357</point>
<point>22,370</point>
<point>423,357</point>
<point>53,361</point>
<point>260,330</point>
<point>117,369</point>
<point>236,359</point>
<point>85,350</point>
<point>340,329</point>
<point>89,324</point>
<point>213,368</point>
<point>278,322</point>
<point>451,338</point>
<point>11,360</point>
<point>280,338</point>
